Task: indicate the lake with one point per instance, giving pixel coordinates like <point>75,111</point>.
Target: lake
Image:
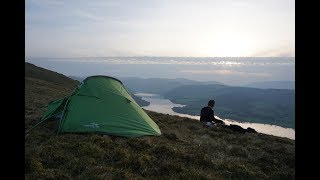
<point>161,105</point>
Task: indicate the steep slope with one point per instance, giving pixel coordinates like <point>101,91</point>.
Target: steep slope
<point>41,87</point>
<point>185,150</point>
<point>35,72</point>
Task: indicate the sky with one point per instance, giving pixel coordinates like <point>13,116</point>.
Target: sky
<point>227,70</point>
<point>174,28</point>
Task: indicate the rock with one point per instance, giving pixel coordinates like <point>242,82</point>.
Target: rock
<point>251,130</point>
<point>237,128</point>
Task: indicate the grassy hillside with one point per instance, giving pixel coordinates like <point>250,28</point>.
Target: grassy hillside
<point>41,87</point>
<point>186,150</point>
<point>32,71</point>
<point>270,106</point>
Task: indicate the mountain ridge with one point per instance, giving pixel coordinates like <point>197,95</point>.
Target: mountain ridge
<point>272,85</point>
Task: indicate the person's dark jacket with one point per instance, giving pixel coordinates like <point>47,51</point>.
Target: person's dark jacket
<point>207,115</point>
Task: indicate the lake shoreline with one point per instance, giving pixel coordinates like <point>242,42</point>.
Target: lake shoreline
<point>161,105</point>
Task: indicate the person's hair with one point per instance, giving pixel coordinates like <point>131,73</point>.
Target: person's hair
<point>211,103</point>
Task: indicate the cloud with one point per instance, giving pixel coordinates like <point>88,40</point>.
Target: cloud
<point>88,15</point>
<point>281,51</point>
<point>226,73</point>
<point>46,3</point>
<point>152,60</point>
<point>218,62</point>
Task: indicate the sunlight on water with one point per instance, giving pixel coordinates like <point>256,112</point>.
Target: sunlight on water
<point>161,105</point>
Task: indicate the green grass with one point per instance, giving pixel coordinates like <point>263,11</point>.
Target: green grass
<point>185,150</point>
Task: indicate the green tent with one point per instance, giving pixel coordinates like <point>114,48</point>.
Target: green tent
<point>101,104</point>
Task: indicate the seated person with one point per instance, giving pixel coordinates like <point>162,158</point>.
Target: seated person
<point>207,115</point>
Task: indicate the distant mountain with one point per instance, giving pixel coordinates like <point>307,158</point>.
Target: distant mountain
<point>190,82</point>
<point>78,78</point>
<point>140,101</point>
<point>272,85</point>
<point>154,85</point>
<point>269,106</point>
<point>159,85</point>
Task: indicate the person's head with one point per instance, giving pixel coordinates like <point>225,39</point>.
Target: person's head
<point>211,103</point>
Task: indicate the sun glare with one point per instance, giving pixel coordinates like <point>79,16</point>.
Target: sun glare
<point>231,45</point>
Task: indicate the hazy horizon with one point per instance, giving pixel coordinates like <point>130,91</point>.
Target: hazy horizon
<point>228,70</point>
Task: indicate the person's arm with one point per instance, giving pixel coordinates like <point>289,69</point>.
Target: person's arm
<point>214,119</point>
